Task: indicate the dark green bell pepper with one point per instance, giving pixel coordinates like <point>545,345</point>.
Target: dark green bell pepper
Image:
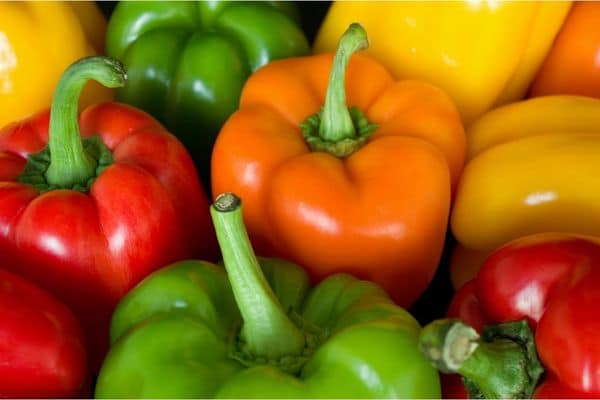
<point>187,61</point>
<point>254,330</point>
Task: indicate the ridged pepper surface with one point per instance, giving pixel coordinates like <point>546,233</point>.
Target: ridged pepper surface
<point>88,219</point>
<point>256,329</point>
<point>367,190</point>
<point>188,60</point>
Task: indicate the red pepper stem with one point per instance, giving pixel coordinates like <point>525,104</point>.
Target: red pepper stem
<point>501,363</point>
<point>267,331</point>
<point>336,123</point>
<point>70,165</point>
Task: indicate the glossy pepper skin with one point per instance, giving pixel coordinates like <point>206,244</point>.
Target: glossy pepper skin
<point>38,40</point>
<point>89,237</point>
<point>42,346</point>
<point>379,213</point>
<point>532,167</point>
<point>434,42</point>
<point>552,281</point>
<point>572,66</point>
<point>187,61</point>
<point>256,329</point>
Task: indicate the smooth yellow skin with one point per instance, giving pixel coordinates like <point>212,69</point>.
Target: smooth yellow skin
<point>534,167</point>
<point>38,41</point>
<point>536,116</point>
<point>482,53</point>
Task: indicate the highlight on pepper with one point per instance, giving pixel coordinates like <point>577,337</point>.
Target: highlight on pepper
<point>352,176</point>
<point>255,327</point>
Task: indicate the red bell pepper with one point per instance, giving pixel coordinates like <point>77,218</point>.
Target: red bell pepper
<point>88,219</point>
<point>42,351</point>
<point>552,284</point>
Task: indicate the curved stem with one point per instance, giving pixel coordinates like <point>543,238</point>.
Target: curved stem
<point>69,163</point>
<point>336,122</point>
<point>501,363</point>
<point>266,331</point>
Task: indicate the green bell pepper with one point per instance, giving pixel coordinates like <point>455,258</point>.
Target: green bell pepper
<point>194,329</point>
<point>187,61</point>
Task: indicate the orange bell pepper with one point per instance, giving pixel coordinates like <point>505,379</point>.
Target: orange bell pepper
<point>573,63</point>
<point>38,41</point>
<point>331,191</point>
<point>483,53</point>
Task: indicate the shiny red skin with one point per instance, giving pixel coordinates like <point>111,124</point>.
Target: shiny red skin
<point>42,352</point>
<point>554,283</point>
<point>144,211</point>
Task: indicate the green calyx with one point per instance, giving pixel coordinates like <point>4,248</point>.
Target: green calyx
<point>69,162</point>
<point>269,334</point>
<point>34,173</point>
<point>501,363</point>
<point>343,147</point>
<point>291,364</point>
<point>336,129</point>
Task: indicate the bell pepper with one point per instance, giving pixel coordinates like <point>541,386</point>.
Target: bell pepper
<point>187,61</point>
<point>433,41</point>
<point>531,168</point>
<point>38,40</point>
<point>88,219</point>
<point>42,347</point>
<point>548,284</point>
<point>257,330</point>
<point>464,264</point>
<point>367,190</point>
<point>572,66</point>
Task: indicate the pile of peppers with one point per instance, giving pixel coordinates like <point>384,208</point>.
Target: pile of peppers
<point>230,199</point>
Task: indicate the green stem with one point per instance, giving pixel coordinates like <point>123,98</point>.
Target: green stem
<point>336,123</point>
<point>70,165</point>
<point>267,331</point>
<point>501,363</point>
<point>336,129</point>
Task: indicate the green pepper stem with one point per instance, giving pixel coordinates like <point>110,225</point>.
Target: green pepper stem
<point>501,363</point>
<point>267,331</point>
<point>69,163</point>
<point>336,122</point>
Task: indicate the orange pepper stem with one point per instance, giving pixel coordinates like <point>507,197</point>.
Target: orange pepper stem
<point>70,164</point>
<point>336,122</point>
<point>337,129</point>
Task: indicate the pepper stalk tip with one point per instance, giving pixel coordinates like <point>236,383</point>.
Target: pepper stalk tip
<point>226,202</point>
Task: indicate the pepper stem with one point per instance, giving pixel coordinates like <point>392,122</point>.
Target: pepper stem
<point>70,165</point>
<point>501,363</point>
<point>336,122</point>
<point>266,331</point>
<point>336,129</point>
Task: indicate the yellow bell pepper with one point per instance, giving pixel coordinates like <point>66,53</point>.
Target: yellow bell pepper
<point>38,40</point>
<point>533,166</point>
<point>482,53</point>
